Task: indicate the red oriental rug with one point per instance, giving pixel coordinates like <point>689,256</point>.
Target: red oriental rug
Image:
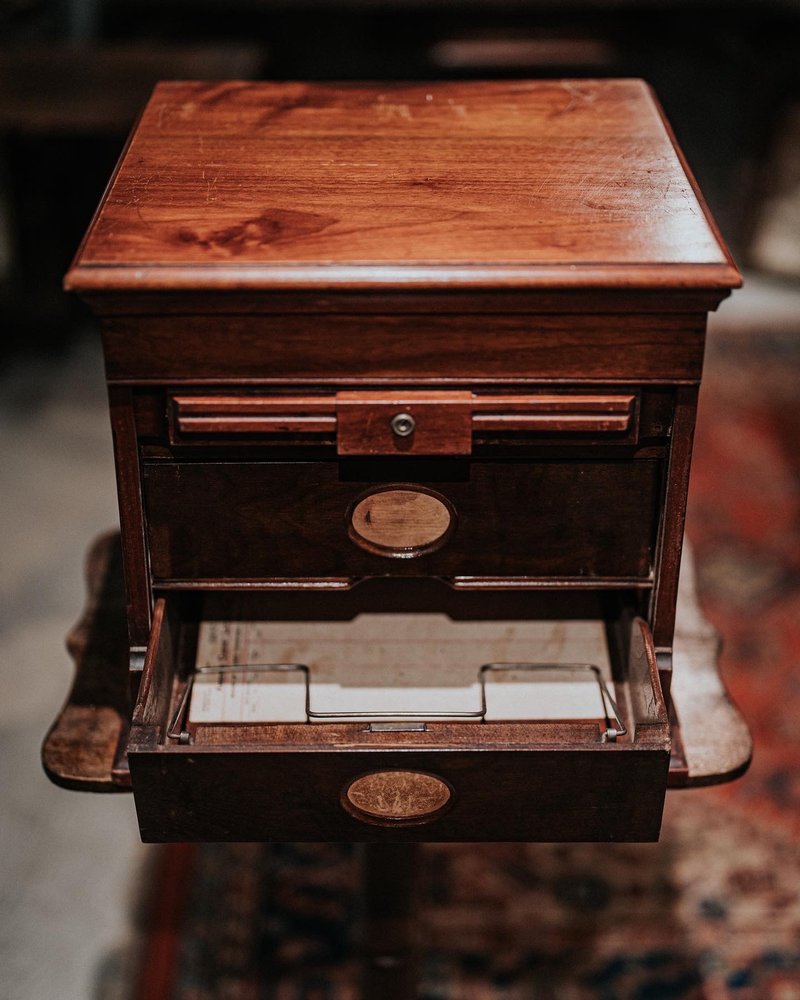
<point>711,912</point>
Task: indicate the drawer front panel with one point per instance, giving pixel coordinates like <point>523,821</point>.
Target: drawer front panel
<point>563,777</point>
<point>621,347</point>
<point>612,793</point>
<point>401,422</point>
<point>261,520</point>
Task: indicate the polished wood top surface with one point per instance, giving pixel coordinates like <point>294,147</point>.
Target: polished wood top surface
<point>250,186</point>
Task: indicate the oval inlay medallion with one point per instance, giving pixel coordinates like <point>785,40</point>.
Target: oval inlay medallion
<point>397,796</point>
<point>402,521</point>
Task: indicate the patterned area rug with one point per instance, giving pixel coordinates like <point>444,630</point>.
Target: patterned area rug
<point>711,912</point>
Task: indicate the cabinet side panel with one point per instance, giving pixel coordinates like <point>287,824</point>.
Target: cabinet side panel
<point>665,594</point>
<point>131,514</point>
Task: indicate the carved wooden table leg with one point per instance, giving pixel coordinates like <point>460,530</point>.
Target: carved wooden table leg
<point>389,968</point>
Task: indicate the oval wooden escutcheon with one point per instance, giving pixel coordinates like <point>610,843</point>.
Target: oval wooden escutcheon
<point>397,796</point>
<point>402,522</point>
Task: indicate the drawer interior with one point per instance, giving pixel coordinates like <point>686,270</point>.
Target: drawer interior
<point>386,675</point>
<point>384,668</point>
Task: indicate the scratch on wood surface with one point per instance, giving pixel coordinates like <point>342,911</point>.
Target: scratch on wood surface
<point>576,95</point>
<point>136,193</point>
<point>211,194</point>
<point>388,112</point>
<point>459,110</point>
<point>210,183</point>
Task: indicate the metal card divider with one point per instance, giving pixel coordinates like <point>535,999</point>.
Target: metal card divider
<point>176,730</point>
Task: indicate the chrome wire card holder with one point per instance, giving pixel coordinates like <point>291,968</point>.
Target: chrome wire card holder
<point>177,729</point>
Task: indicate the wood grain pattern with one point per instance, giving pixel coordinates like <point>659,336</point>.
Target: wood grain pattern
<point>589,520</point>
<point>648,410</point>
<point>444,420</point>
<point>159,666</point>
<point>309,302</point>
<point>648,711</point>
<point>518,184</point>
<point>246,414</point>
<point>441,421</point>
<point>665,593</point>
<point>400,522</point>
<point>334,349</point>
<point>549,413</point>
<point>489,737</point>
<point>397,796</point>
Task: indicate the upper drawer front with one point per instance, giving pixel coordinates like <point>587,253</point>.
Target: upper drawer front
<point>454,518</point>
<point>400,422</point>
<point>329,348</point>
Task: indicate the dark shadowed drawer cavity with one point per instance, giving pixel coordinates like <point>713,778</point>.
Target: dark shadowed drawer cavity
<point>467,521</point>
<point>416,721</point>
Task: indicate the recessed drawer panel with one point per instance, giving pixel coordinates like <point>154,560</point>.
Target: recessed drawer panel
<point>463,520</point>
<point>570,739</point>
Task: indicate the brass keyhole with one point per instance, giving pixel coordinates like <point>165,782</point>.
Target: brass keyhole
<point>403,424</point>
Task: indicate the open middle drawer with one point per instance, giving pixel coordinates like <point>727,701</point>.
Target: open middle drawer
<point>359,716</point>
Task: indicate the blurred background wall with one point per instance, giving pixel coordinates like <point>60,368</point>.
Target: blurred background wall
<point>73,74</point>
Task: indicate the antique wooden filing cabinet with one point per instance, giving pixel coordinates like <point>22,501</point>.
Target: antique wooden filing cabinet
<point>403,384</point>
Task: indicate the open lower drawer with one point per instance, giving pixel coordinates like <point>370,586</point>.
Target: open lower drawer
<point>373,720</point>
